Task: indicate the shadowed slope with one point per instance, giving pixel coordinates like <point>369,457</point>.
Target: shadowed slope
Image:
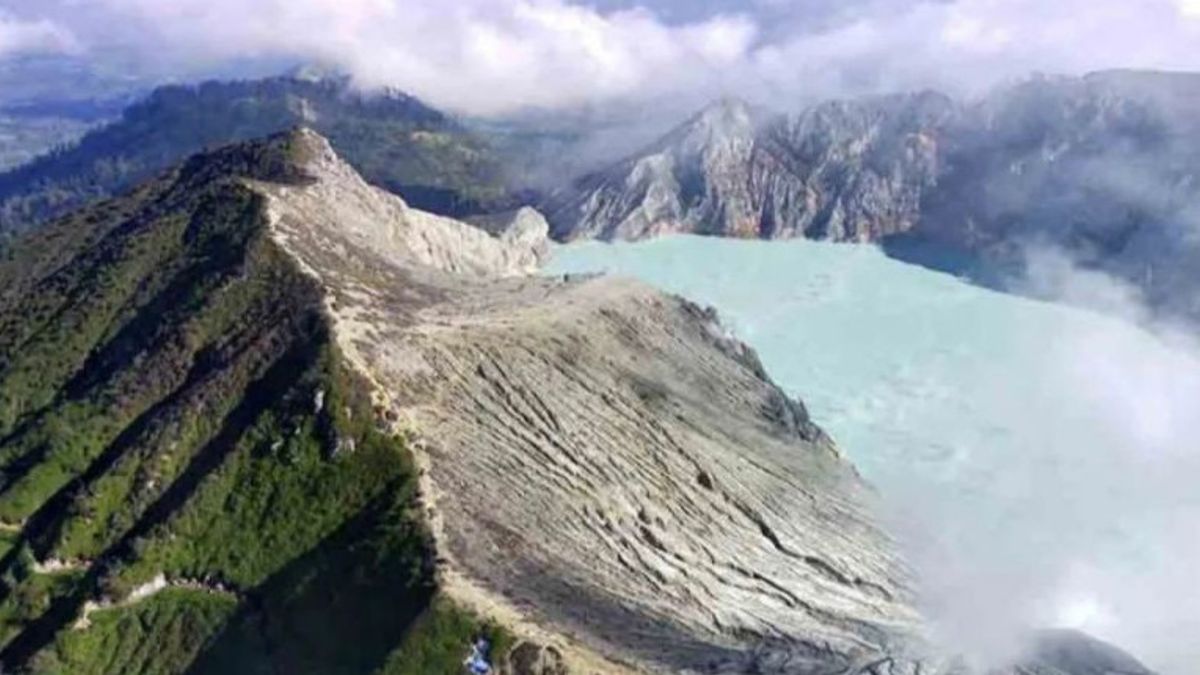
<point>186,458</point>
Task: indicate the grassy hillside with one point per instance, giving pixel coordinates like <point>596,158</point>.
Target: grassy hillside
<point>191,479</point>
<point>394,140</point>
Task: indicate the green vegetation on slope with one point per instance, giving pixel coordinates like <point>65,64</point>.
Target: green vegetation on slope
<point>191,478</point>
<point>434,644</point>
<point>394,140</point>
<point>160,635</point>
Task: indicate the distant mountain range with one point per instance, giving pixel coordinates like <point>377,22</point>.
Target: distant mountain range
<point>1104,167</point>
<point>29,129</point>
<point>396,141</point>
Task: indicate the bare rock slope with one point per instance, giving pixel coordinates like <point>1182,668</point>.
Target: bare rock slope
<point>842,170</point>
<point>603,458</point>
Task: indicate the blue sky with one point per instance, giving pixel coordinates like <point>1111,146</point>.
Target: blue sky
<point>497,56</point>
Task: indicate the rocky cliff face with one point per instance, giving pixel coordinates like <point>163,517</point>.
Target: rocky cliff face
<point>1104,167</point>
<point>690,181</point>
<point>841,170</point>
<point>259,416</point>
<point>524,228</point>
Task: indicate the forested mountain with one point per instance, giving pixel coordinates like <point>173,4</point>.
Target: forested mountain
<point>394,140</point>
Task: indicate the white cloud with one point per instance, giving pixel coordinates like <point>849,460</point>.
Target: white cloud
<point>968,45</point>
<point>41,35</point>
<point>489,56</point>
<point>1074,504</point>
<point>476,55</point>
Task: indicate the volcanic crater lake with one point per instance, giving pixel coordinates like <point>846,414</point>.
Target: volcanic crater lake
<point>1030,455</point>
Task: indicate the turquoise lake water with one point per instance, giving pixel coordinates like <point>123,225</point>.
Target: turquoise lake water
<point>1035,459</point>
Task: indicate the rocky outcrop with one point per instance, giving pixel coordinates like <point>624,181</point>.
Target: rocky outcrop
<point>370,219</point>
<point>524,228</point>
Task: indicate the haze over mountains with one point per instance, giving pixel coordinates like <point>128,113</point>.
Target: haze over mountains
<point>1101,168</point>
<point>1105,168</point>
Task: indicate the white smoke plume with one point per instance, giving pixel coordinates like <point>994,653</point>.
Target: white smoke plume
<point>1095,524</point>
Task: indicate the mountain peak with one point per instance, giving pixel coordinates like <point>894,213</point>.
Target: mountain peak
<point>304,150</point>
<point>315,72</point>
<point>314,196</point>
<point>726,117</point>
<point>726,106</point>
<point>395,140</point>
<point>286,157</point>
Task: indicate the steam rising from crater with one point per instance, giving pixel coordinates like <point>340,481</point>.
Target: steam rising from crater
<point>1038,460</point>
